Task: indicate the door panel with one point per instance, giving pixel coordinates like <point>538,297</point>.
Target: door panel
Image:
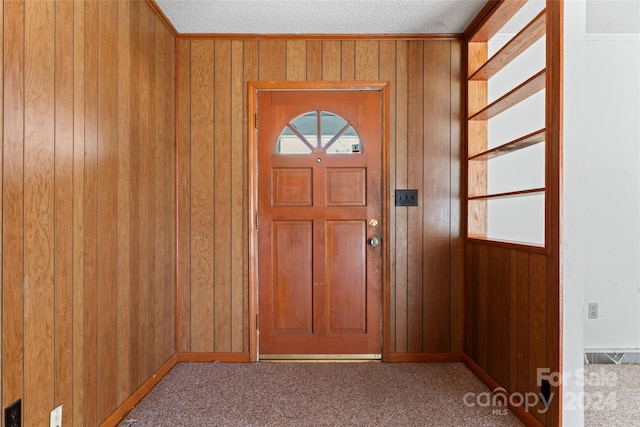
<point>319,165</point>
<point>292,187</point>
<point>292,260</point>
<point>346,186</point>
<point>346,262</point>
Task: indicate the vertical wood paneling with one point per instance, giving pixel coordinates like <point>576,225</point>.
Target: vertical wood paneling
<point>471,308</point>
<point>400,290</point>
<point>331,60</point>
<point>494,308</point>
<point>387,72</point>
<point>151,183</point>
<point>513,320</point>
<point>507,317</point>
<point>91,226</point>
<point>296,60</point>
<point>64,206</point>
<point>366,57</point>
<point>250,72</point>
<point>222,196</point>
<point>212,115</point>
<point>13,202</point>
<point>134,329</point>
<point>437,191</point>
<point>348,68</point>
<point>456,265</point>
<point>146,352</point>
<point>136,316</point>
<point>504,354</point>
<point>184,194</point>
<point>154,188</point>
<point>107,200</point>
<point>1,186</point>
<point>169,207</point>
<point>124,285</point>
<point>537,324</point>
<point>202,223</point>
<point>481,256</point>
<point>39,211</point>
<point>77,407</point>
<point>314,60</point>
<point>272,60</point>
<point>142,174</point>
<point>139,224</point>
<point>415,177</point>
<point>523,322</point>
<point>237,195</point>
<point>159,189</point>
<point>165,94</point>
<point>73,132</point>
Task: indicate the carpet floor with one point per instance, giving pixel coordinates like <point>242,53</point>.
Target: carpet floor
<point>317,394</point>
<point>611,395</point>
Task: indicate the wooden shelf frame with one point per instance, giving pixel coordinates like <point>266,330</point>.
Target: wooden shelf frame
<point>510,194</point>
<point>512,146</point>
<point>499,13</point>
<point>513,97</point>
<point>530,34</point>
<point>480,69</point>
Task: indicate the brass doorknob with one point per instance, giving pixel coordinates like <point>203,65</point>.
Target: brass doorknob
<point>373,242</point>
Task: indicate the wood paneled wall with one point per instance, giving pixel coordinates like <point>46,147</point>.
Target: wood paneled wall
<point>512,317</point>
<point>425,144</point>
<point>88,225</point>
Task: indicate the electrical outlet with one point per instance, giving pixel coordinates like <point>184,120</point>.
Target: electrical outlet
<point>13,414</point>
<point>593,310</point>
<point>55,420</point>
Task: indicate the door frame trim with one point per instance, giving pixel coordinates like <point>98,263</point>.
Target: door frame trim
<point>252,133</point>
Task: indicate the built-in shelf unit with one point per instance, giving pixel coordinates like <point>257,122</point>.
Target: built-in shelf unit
<point>481,146</point>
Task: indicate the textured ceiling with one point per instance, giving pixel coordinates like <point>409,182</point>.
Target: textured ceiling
<point>321,16</point>
<point>613,16</point>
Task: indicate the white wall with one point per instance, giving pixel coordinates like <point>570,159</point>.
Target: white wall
<point>574,235</point>
<point>601,185</point>
<point>612,186</point>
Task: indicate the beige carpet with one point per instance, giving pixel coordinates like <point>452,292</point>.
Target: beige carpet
<point>316,394</point>
<point>611,395</point>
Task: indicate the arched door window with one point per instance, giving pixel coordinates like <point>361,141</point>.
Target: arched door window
<point>319,132</point>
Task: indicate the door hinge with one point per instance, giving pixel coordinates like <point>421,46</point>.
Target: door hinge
<point>256,120</point>
<point>257,226</point>
<point>257,322</point>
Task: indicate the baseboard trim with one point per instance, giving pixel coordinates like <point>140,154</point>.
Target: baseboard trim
<point>526,417</point>
<point>214,357</point>
<point>423,357</point>
<point>122,410</point>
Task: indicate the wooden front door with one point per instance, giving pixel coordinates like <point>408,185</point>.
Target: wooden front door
<point>319,223</point>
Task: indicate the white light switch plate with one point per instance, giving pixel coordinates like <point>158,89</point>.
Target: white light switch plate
<point>56,417</point>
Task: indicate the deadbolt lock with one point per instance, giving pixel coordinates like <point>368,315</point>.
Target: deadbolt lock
<point>373,222</point>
